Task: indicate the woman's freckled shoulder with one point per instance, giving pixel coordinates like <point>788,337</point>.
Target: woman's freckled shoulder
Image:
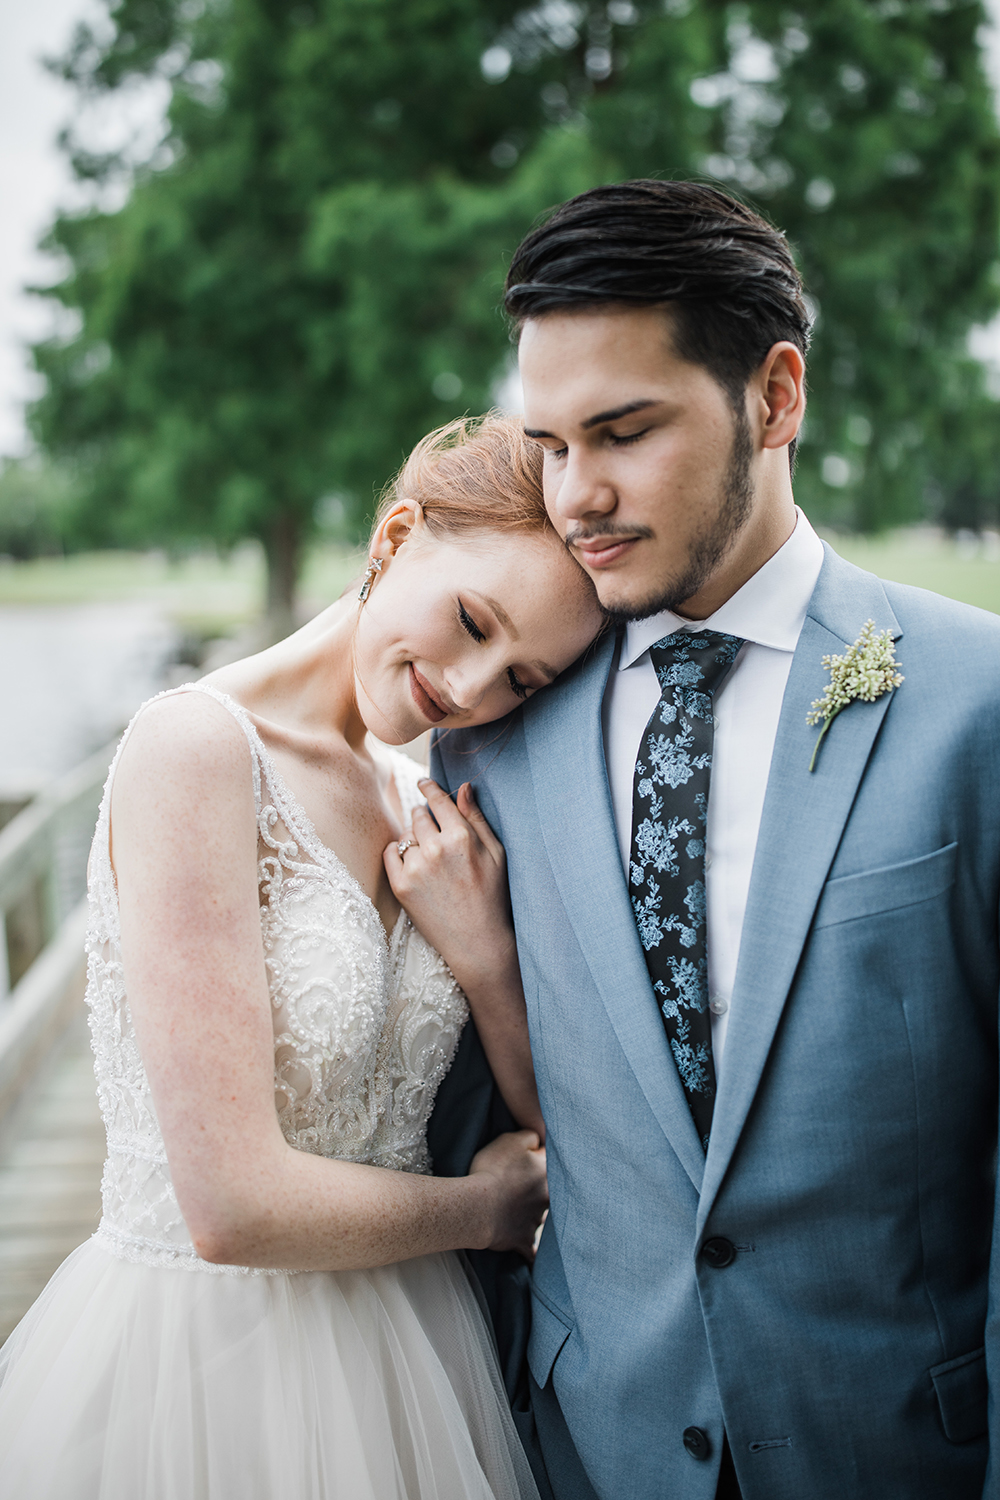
<point>189,736</point>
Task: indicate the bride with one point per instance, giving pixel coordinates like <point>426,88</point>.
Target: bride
<point>273,1304</point>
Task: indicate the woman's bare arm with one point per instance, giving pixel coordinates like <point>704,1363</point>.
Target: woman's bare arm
<point>453,885</point>
<point>185,855</point>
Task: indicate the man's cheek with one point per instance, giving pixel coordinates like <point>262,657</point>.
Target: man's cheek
<point>550,494</point>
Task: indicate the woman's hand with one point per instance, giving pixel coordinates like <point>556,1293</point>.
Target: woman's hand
<point>452,882</point>
<point>516,1164</point>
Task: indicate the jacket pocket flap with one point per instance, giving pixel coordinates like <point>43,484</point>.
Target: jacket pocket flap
<point>887,889</point>
<point>549,1331</point>
<point>961,1391</point>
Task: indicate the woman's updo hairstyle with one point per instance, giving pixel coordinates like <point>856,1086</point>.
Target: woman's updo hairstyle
<point>473,474</point>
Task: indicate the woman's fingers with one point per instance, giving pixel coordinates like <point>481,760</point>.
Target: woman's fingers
<point>470,809</point>
<point>393,861</point>
<point>448,817</point>
<point>441,828</point>
<point>462,815</point>
<point>424,826</point>
<point>449,855</point>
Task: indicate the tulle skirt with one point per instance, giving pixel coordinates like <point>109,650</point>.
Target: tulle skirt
<point>132,1382</point>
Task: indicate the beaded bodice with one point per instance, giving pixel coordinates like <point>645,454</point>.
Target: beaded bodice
<point>365,1026</point>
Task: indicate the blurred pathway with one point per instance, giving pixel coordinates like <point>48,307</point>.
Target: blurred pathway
<point>70,678</point>
<point>50,1175</point>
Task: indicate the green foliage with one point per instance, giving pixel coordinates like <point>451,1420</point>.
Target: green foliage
<point>308,275</point>
<point>35,502</point>
<point>264,321</point>
<point>884,170</point>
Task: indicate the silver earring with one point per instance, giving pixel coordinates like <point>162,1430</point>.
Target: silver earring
<point>374,569</point>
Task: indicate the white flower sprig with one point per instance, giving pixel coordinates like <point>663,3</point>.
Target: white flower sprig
<point>866,671</point>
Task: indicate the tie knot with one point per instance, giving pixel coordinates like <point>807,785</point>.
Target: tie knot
<point>692,663</point>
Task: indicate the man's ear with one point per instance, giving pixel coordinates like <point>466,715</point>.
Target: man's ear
<point>397,526</point>
<point>777,395</point>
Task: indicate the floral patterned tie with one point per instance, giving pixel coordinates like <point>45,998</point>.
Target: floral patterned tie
<point>667,865</point>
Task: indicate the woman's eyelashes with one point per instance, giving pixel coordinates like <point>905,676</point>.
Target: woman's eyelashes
<point>517,687</point>
<point>469,623</point>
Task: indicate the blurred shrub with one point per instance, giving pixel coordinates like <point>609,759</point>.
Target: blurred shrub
<point>35,499</point>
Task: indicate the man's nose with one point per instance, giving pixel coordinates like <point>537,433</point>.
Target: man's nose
<point>580,490</point>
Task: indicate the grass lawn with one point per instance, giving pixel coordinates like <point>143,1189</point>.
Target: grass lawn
<point>205,594</point>
<point>208,595</point>
<point>919,556</point>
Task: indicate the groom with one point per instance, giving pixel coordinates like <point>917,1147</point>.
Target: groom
<point>762,987</point>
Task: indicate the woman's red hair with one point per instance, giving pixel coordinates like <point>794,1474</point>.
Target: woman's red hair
<point>473,474</point>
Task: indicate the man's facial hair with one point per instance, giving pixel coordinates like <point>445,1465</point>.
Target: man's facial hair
<point>707,550</point>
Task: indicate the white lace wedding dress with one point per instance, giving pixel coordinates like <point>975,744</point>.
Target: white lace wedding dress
<point>144,1373</point>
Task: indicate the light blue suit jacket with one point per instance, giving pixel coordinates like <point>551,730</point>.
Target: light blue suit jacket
<point>849,1348</point>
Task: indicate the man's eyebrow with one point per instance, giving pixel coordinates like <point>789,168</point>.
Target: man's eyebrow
<point>602,416</point>
<point>619,411</point>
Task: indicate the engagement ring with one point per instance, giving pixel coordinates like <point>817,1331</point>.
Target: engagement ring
<point>403,845</point>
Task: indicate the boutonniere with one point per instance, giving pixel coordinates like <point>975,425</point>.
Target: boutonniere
<point>866,671</point>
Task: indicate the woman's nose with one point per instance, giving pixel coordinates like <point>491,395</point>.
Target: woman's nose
<point>468,683</point>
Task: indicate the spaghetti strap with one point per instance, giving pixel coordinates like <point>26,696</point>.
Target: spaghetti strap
<point>238,713</point>
<point>257,752</point>
<point>101,873</point>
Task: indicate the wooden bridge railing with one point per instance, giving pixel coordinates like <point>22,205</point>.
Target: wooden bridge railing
<point>43,860</point>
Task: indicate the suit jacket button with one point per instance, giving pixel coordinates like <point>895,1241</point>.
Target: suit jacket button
<point>719,1252</point>
<point>696,1442</point>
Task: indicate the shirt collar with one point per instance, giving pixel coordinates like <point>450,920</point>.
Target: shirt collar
<point>770,608</point>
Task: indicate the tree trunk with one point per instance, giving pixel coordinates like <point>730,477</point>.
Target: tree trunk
<point>283,548</point>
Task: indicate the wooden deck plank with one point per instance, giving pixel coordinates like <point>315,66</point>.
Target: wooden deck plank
<point>50,1174</point>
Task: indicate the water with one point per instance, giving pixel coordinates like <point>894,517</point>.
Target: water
<point>70,679</point>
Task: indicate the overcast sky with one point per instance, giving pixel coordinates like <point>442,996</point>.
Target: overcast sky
<point>34,179</point>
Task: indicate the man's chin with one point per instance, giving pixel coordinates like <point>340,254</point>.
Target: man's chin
<point>623,606</point>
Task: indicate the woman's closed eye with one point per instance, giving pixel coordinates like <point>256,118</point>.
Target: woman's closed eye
<point>517,687</point>
<point>469,623</point>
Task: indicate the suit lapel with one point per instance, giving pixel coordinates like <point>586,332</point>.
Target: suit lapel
<point>801,826</point>
<point>566,753</point>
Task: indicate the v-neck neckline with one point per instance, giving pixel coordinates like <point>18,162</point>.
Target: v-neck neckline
<point>297,820</point>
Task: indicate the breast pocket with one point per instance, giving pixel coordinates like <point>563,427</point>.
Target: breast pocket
<point>887,889</point>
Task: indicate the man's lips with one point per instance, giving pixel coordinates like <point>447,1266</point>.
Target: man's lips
<point>601,551</point>
<point>423,696</point>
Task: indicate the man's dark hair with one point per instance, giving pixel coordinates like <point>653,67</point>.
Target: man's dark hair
<point>727,274</point>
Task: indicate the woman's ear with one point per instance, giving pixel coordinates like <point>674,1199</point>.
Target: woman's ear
<point>398,525</point>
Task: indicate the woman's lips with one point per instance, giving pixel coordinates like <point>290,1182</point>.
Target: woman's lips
<point>424,699</point>
<point>600,552</point>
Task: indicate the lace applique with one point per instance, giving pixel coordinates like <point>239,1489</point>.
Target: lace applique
<point>365,1028</point>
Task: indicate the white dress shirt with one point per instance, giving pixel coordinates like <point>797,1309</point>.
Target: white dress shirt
<point>768,612</point>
